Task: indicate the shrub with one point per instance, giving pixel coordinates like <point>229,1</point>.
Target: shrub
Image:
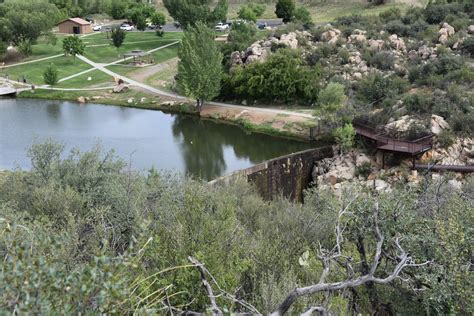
<point>397,27</point>
<point>324,50</point>
<point>383,60</point>
<point>374,88</point>
<point>446,138</point>
<point>332,96</point>
<point>345,136</point>
<point>50,75</point>
<point>303,16</point>
<point>462,122</point>
<point>282,77</point>
<point>363,170</point>
<point>285,9</point>
<point>390,15</point>
<point>417,103</point>
<point>416,131</point>
<point>25,48</point>
<point>459,21</point>
<point>344,54</point>
<point>159,33</point>
<point>247,13</point>
<point>413,15</point>
<point>436,13</point>
<point>417,29</point>
<point>468,46</point>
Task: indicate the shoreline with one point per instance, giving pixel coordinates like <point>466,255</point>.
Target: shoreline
<point>249,120</point>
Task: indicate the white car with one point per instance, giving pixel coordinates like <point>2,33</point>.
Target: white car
<point>127,27</point>
<point>222,27</point>
<point>97,28</point>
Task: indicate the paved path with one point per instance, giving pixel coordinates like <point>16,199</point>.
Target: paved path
<point>112,63</point>
<point>32,61</point>
<point>179,97</point>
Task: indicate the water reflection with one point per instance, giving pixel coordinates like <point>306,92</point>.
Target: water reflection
<point>184,143</point>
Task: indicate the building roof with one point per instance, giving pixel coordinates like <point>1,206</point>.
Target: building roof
<point>77,21</point>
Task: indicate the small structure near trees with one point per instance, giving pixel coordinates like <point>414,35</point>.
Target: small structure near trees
<point>138,57</point>
<point>75,26</point>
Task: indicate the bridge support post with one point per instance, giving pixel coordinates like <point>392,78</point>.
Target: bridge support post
<point>380,158</point>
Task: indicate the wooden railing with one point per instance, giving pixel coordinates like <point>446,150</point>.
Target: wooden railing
<point>378,134</point>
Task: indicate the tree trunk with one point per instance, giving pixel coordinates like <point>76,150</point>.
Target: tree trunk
<point>199,104</point>
<point>373,298</point>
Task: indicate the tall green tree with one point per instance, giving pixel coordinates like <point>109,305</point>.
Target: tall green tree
<point>190,12</point>
<point>23,22</point>
<point>285,10</point>
<point>200,66</point>
<point>303,16</point>
<point>158,18</point>
<point>118,37</point>
<point>73,45</point>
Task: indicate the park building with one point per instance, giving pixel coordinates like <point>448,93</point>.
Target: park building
<point>75,26</point>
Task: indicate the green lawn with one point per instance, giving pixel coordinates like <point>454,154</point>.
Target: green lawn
<point>107,54</point>
<point>163,79</point>
<point>123,70</point>
<point>160,56</point>
<point>98,79</point>
<point>166,54</point>
<point>33,73</point>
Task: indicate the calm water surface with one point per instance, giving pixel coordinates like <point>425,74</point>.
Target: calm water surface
<point>166,141</point>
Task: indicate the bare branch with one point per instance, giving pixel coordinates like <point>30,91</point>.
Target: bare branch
<point>320,310</point>
<point>215,309</point>
<point>404,260</point>
<point>224,294</point>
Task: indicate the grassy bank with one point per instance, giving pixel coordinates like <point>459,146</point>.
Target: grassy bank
<point>141,100</point>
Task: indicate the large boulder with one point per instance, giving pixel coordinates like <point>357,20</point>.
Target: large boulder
<point>331,36</point>
<point>376,44</point>
<point>235,59</point>
<point>445,32</point>
<point>426,52</point>
<point>289,40</point>
<point>357,36</point>
<point>402,124</point>
<point>470,29</point>
<point>438,124</point>
<point>397,43</point>
<point>120,88</point>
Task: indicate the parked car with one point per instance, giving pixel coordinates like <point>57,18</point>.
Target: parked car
<point>262,25</point>
<point>152,26</point>
<point>97,28</point>
<point>127,27</point>
<point>222,27</point>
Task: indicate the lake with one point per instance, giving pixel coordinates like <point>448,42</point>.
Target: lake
<point>183,143</point>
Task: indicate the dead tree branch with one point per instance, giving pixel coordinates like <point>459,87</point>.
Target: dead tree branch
<point>215,309</point>
<point>404,260</point>
<point>224,294</point>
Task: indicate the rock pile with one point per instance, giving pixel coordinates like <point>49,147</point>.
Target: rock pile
<point>445,32</point>
<point>260,50</point>
<point>331,36</point>
<point>357,36</point>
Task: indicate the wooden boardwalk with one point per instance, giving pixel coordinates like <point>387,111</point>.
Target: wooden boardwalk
<point>384,142</point>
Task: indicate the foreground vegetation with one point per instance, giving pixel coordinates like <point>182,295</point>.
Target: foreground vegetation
<point>81,233</point>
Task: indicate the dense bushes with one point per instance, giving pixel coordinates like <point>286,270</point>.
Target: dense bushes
<point>376,87</point>
<point>86,235</point>
<point>282,78</point>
